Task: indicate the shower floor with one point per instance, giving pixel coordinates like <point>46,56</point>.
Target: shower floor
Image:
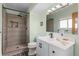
<point>17,49</point>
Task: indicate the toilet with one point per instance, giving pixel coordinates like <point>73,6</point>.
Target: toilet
<point>32,49</point>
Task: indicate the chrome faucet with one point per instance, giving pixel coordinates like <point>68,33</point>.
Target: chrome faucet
<point>61,34</point>
<point>51,35</point>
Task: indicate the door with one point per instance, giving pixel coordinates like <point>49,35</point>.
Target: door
<point>55,51</point>
<point>42,48</point>
<point>39,48</point>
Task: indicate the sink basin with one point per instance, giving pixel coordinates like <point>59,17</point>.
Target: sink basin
<point>64,42</point>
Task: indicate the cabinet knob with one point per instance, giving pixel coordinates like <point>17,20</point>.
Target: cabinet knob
<point>53,51</point>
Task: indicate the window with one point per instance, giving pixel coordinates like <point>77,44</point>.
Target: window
<point>67,23</point>
<point>70,23</point>
<point>76,23</point>
<point>63,24</point>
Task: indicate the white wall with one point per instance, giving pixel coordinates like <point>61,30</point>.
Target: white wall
<point>35,28</point>
<point>1,29</point>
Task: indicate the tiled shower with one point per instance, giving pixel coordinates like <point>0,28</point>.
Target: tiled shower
<point>14,34</point>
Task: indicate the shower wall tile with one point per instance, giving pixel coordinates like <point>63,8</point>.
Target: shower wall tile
<point>17,35</point>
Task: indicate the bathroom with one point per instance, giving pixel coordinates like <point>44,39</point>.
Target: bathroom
<point>23,31</point>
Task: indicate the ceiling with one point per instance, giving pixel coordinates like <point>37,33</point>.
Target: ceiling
<point>43,7</point>
<point>35,7</point>
<point>19,6</point>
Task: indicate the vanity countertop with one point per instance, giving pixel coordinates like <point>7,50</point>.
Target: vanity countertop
<point>58,43</point>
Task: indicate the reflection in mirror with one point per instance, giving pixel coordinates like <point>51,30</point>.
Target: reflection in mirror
<point>63,20</point>
<point>49,25</point>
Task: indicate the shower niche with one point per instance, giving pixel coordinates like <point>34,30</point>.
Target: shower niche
<point>13,24</point>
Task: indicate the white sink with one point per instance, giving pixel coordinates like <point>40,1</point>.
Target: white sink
<point>62,42</point>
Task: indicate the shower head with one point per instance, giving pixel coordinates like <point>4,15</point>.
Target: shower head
<point>19,15</point>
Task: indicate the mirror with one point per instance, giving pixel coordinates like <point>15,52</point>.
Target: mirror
<point>63,20</point>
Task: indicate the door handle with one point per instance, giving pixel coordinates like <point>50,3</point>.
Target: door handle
<point>40,45</point>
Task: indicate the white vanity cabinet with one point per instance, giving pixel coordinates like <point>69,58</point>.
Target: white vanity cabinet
<point>56,51</point>
<point>46,49</point>
<point>42,48</point>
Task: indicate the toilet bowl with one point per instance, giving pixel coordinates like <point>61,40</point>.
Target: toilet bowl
<point>32,48</point>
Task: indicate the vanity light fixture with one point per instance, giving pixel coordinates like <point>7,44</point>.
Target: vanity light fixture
<point>53,9</point>
<point>49,11</point>
<point>58,6</point>
<point>63,4</point>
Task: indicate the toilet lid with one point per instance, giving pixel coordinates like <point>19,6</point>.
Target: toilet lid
<point>33,43</point>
